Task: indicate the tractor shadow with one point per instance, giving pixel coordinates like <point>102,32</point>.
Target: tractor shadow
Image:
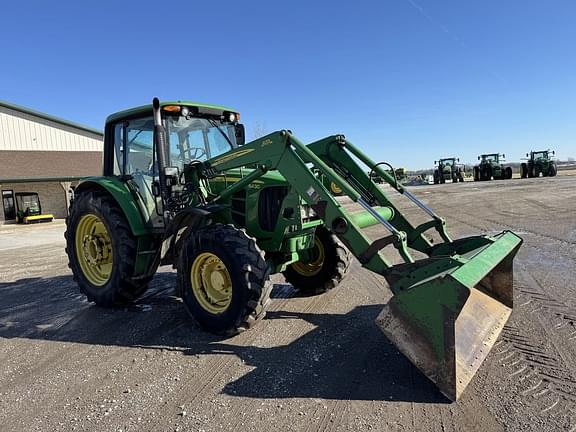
<point>336,356</point>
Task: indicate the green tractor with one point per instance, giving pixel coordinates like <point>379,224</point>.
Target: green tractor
<point>539,162</point>
<point>491,167</point>
<point>448,169</point>
<point>181,188</point>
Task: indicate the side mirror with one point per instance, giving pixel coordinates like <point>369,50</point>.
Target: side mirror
<point>435,162</point>
<point>478,157</point>
<point>240,134</point>
<point>527,155</point>
<point>553,152</point>
<point>458,160</point>
<point>503,155</point>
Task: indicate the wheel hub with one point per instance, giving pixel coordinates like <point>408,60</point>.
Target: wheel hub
<point>93,246</point>
<point>211,282</point>
<point>97,250</point>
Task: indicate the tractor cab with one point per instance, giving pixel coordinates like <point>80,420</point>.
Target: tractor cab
<point>542,155</point>
<point>493,158</point>
<point>29,209</point>
<point>194,133</point>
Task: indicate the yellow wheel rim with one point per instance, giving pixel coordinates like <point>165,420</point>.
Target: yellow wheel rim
<point>211,283</point>
<point>94,249</point>
<point>335,188</point>
<point>311,268</point>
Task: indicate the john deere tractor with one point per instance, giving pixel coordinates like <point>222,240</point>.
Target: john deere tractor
<point>448,169</point>
<point>491,167</point>
<point>539,162</point>
<point>181,188</point>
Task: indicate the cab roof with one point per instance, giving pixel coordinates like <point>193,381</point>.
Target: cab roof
<point>202,108</point>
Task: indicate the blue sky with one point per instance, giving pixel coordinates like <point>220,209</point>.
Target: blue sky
<point>409,81</point>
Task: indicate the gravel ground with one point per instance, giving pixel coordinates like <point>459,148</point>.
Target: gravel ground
<point>314,364</point>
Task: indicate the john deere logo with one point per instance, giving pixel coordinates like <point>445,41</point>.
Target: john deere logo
<point>335,188</point>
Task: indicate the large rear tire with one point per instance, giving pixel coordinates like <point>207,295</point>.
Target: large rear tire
<point>224,279</point>
<point>325,271</point>
<point>476,173</point>
<point>508,171</point>
<point>102,251</point>
<point>523,170</point>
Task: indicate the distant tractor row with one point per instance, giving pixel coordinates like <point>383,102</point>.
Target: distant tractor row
<point>491,167</point>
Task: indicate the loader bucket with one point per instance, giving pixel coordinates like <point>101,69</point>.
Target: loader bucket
<point>447,321</point>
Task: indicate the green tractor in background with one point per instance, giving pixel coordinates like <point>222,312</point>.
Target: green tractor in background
<point>181,188</point>
<point>448,169</point>
<point>539,162</point>
<point>491,167</point>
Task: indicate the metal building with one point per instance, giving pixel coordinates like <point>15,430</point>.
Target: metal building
<point>43,154</point>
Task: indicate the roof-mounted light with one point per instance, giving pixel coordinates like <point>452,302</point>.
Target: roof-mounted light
<point>172,108</point>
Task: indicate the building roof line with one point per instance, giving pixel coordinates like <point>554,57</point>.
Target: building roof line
<point>40,179</point>
<point>48,117</point>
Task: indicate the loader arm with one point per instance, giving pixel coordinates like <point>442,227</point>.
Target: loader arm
<point>283,152</point>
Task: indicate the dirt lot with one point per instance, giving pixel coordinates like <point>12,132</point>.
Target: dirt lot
<point>316,363</point>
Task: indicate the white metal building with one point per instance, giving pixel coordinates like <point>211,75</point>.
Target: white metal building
<point>43,154</point>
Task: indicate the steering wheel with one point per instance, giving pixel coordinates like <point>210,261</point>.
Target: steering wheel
<point>196,152</point>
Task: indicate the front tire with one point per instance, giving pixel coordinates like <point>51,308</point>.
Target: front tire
<point>325,271</point>
<point>224,279</point>
<point>102,251</point>
<point>552,171</point>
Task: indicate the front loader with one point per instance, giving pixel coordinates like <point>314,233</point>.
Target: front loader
<point>180,187</point>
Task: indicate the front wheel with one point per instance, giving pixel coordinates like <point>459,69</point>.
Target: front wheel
<point>224,279</point>
<point>102,251</point>
<point>508,174</point>
<point>552,171</point>
<point>328,265</point>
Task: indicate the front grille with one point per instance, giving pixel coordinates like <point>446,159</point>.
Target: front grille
<point>269,205</point>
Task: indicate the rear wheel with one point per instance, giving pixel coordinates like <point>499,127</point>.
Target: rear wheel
<point>102,251</point>
<point>328,264</point>
<point>523,171</point>
<point>508,171</point>
<point>224,279</point>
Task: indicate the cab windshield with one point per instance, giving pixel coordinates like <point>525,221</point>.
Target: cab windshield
<point>198,139</point>
<point>188,139</point>
<point>490,158</point>
<point>447,162</point>
<point>540,155</point>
